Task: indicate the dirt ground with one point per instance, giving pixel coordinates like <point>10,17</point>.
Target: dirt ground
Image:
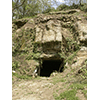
<point>40,88</point>
<point>43,88</point>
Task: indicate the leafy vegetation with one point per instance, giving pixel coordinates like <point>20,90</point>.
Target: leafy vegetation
<point>77,86</point>
<point>85,93</point>
<point>82,7</point>
<point>50,9</point>
<point>84,70</point>
<point>15,65</point>
<point>26,77</point>
<point>68,95</point>
<point>23,42</point>
<point>30,8</point>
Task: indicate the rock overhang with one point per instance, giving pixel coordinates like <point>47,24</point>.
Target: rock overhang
<point>50,33</point>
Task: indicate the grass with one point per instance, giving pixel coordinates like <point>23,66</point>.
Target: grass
<point>85,93</point>
<point>68,95</point>
<point>26,77</point>
<point>57,80</point>
<point>78,86</point>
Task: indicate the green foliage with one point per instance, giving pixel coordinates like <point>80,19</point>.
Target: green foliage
<point>77,86</point>
<point>65,66</point>
<point>23,42</point>
<point>84,74</point>
<point>15,65</point>
<point>71,45</point>
<point>82,7</point>
<point>50,9</point>
<point>62,7</point>
<point>62,55</point>
<point>29,56</point>
<point>36,46</point>
<point>33,56</point>
<point>26,77</point>
<point>37,55</point>
<point>84,71</point>
<point>85,93</point>
<point>68,95</point>
<point>30,8</point>
<point>70,58</point>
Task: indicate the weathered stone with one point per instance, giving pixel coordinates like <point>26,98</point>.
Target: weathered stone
<point>82,30</point>
<point>49,37</point>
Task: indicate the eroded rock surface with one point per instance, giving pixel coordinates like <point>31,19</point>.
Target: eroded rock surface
<point>50,36</point>
<point>56,36</point>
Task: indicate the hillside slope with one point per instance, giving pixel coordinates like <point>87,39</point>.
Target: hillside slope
<point>30,39</point>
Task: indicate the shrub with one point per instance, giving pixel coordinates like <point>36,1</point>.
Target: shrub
<point>82,7</point>
<point>48,10</point>
<point>62,7</point>
<point>15,65</point>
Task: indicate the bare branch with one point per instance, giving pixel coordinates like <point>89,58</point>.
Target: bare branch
<point>18,6</point>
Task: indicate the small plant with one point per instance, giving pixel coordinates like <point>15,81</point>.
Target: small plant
<point>15,65</point>
<point>85,93</point>
<point>77,86</point>
<point>74,61</point>
<point>71,57</point>
<point>65,66</point>
<point>84,74</point>
<point>26,77</point>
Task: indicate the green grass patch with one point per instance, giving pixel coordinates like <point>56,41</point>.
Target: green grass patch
<point>26,77</point>
<point>68,95</point>
<point>56,80</point>
<point>85,93</point>
<point>78,86</point>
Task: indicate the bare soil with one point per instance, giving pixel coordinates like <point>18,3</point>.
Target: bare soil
<point>43,88</point>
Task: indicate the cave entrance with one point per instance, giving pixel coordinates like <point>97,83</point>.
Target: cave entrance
<point>49,66</point>
<point>20,24</point>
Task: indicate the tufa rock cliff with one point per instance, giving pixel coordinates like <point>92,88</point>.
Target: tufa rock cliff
<point>47,38</point>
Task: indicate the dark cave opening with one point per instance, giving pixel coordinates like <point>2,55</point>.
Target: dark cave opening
<point>50,66</point>
<point>20,24</point>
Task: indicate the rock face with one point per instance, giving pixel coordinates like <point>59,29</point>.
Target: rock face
<point>82,30</point>
<point>50,36</point>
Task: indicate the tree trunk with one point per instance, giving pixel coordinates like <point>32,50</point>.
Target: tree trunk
<point>80,2</point>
